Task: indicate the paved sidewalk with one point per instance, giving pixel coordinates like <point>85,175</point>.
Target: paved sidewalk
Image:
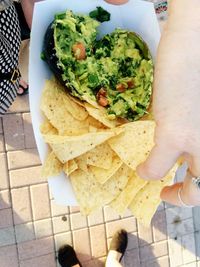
<point>32,226</point>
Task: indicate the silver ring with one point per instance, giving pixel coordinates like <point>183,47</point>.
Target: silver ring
<point>196,181</point>
<point>180,199</point>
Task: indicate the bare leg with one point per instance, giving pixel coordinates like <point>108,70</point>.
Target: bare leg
<point>27,6</point>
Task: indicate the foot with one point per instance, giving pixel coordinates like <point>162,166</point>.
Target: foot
<point>23,88</point>
<point>118,244</point>
<point>67,257</point>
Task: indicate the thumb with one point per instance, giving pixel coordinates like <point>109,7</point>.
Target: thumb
<point>159,162</point>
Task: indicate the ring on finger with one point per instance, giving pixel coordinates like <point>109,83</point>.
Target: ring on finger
<point>183,204</point>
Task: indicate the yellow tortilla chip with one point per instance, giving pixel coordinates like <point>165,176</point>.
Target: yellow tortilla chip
<point>134,185</point>
<point>70,147</point>
<point>82,163</point>
<point>52,166</point>
<point>47,128</point>
<point>100,114</point>
<point>70,166</point>
<point>100,156</point>
<point>91,195</point>
<point>134,145</point>
<point>145,203</point>
<point>53,104</point>
<point>102,175</point>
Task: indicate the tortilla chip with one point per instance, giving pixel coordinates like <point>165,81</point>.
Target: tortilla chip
<point>70,166</point>
<point>52,166</point>
<point>102,175</point>
<point>134,145</point>
<point>91,195</point>
<point>70,147</point>
<point>134,185</point>
<point>101,115</point>
<point>53,104</point>
<point>47,128</point>
<point>145,203</point>
<point>100,156</point>
<point>82,162</point>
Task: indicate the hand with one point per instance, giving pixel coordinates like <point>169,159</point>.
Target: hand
<point>117,2</point>
<point>176,99</point>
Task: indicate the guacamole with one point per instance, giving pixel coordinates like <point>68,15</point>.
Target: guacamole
<point>116,71</point>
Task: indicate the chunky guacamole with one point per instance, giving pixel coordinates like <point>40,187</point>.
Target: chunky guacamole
<point>116,71</point>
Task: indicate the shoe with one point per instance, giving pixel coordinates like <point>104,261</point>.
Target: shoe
<point>119,242</point>
<point>67,256</point>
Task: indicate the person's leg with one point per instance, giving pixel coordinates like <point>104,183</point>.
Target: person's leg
<point>117,248</point>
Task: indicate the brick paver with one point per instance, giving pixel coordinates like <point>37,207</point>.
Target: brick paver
<point>33,226</point>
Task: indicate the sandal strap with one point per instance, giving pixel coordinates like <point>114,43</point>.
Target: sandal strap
<point>10,76</point>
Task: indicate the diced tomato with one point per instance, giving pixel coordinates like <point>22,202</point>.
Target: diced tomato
<point>121,87</point>
<point>102,92</point>
<point>79,51</point>
<point>103,101</point>
<point>130,84</point>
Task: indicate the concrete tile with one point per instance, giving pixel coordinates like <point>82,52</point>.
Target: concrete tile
<point>155,250</point>
<point>4,182</point>
<point>63,239</point>
<point>159,226</point>
<point>96,218</point>
<point>145,235</point>
<point>127,214</point>
<point>43,228</point>
<point>177,214</point>
<point>93,263</point>
<point>23,158</point>
<point>24,232</point>
<point>157,262</point>
<point>188,248</point>
<point>129,224</point>
<point>6,219</point>
<point>197,244</point>
<point>180,228</point>
<point>132,241</point>
<point>2,144</point>
<point>82,248</point>
<point>5,201</point>
<point>35,248</point>
<point>42,261</point>
<point>13,132</point>
<point>27,176</point>
<point>21,104</point>
<point>8,256</point>
<point>40,201</point>
<point>132,258</point>
<point>21,205</point>
<point>74,209</point>
<point>28,131</point>
<point>57,210</point>
<point>7,236</point>
<point>61,224</point>
<point>110,214</point>
<point>78,221</point>
<point>175,252</point>
<point>98,240</point>
<point>196,218</point>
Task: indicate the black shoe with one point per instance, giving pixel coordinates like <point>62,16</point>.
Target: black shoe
<point>67,256</point>
<point>119,242</point>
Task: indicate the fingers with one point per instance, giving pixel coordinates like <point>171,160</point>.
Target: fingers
<point>159,162</point>
<point>189,194</point>
<point>194,164</point>
<point>170,194</point>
